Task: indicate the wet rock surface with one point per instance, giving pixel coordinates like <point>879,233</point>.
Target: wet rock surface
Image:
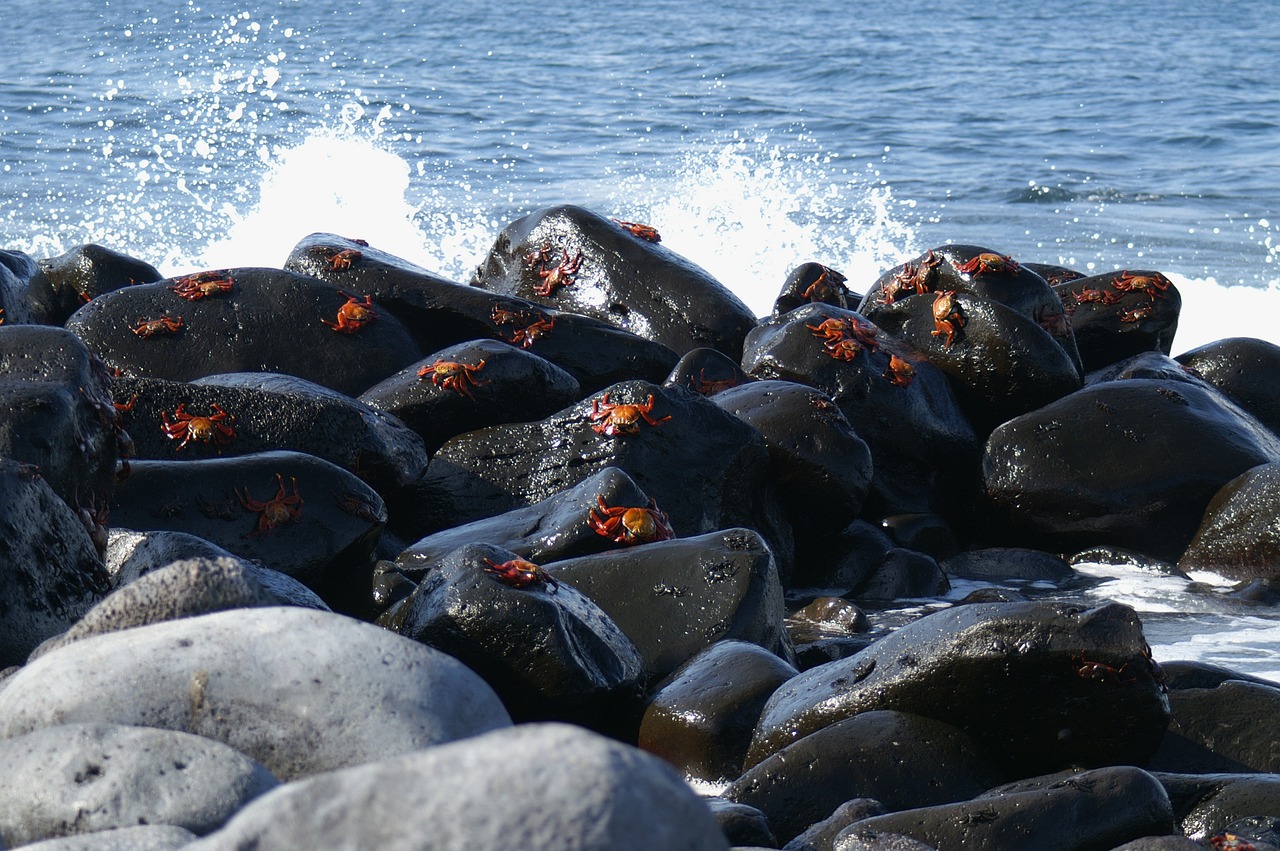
<point>1120,314</point>
<point>1236,538</point>
<point>70,280</point>
<point>1244,369</point>
<point>1221,729</point>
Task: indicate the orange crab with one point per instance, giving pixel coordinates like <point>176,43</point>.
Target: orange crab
<point>202,285</point>
<point>353,315</point>
<point>531,333</point>
<point>915,277</point>
<point>277,511</point>
<point>150,327</point>
<point>711,386</point>
<point>899,372</point>
<point>1102,672</point>
<point>561,275</point>
<point>216,428</point>
<point>1137,314</point>
<point>343,259</point>
<point>519,573</point>
<point>631,525</point>
<point>999,264</point>
<point>613,420</point>
<point>1153,285</point>
<point>947,318</point>
<point>451,375</point>
<point>828,283</point>
<point>845,339</point>
<point>638,230</point>
<point>1089,294</point>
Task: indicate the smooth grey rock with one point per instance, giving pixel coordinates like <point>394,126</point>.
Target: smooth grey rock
<point>131,555</point>
<point>151,837</point>
<point>187,589</point>
<point>533,786</point>
<point>82,778</point>
<point>299,690</point>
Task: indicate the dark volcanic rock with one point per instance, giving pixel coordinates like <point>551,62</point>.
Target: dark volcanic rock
<point>269,411</point>
<point>440,313</point>
<point>742,825</point>
<point>1238,537</point>
<point>1126,463</point>
<point>1227,728</point>
<point>996,564</point>
<point>268,321</point>
<point>1145,365</point>
<point>56,413</point>
<point>617,277</point>
<point>326,546</point>
<point>1092,811</point>
<point>1053,274</point>
<point>650,592</point>
<point>548,651</point>
<point>821,835</point>
<point>810,283</point>
<point>1040,685</point>
<point>706,468</point>
<point>50,574</point>
<point>1120,314</point>
<point>1002,363</point>
<point>69,280</point>
<point>1182,674</point>
<point>18,274</point>
<point>707,372</point>
<point>504,384</point>
<point>917,434</point>
<point>902,760</point>
<point>845,560</point>
<point>1244,369</point>
<point>701,717</point>
<point>902,573</point>
<point>1206,804</point>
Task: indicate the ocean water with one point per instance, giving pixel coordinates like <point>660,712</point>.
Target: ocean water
<point>754,135</point>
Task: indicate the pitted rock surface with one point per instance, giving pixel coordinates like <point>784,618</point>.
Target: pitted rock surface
<point>1244,369</point>
<point>1238,537</point>
<point>68,281</point>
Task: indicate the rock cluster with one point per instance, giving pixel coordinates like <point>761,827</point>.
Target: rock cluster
<point>348,555</point>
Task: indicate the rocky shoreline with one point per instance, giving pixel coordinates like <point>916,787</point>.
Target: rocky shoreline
<point>348,555</point>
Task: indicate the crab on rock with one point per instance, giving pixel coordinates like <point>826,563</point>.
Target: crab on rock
<point>947,318</point>
<point>202,285</point>
<point>451,375</point>
<point>145,328</point>
<point>639,231</point>
<point>519,573</point>
<point>560,275</point>
<point>631,525</point>
<point>216,428</point>
<point>899,372</point>
<point>353,315</point>
<point>613,420</point>
<point>989,262</point>
<point>343,259</point>
<point>277,511</point>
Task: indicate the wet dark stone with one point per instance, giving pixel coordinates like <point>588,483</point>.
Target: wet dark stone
<point>1097,809</point>
<point>1145,365</point>
<point>926,533</point>
<point>18,275</point>
<point>700,718</point>
<point>1121,557</point>
<point>675,598</point>
<point>706,468</point>
<point>270,321</point>
<point>834,613</point>
<point>622,279</point>
<point>707,372</point>
<point>269,411</point>
<point>1180,674</point>
<point>50,574</point>
<point>822,468</point>
<point>1002,363</point>
<point>440,313</point>
<point>548,651</point>
<point>901,574</point>
<point>1009,674</point>
<point>821,835</point>
<point>1229,728</point>
<point>996,564</point>
<point>899,759</point>
<point>742,825</point>
<point>505,384</point>
<point>843,561</point>
<point>811,282</point>
<point>1138,320</point>
<point>1125,463</point>
<point>1238,537</point>
<point>1244,369</point>
<point>1175,842</point>
<point>923,446</point>
<point>328,546</point>
<point>1206,804</point>
<point>56,413</point>
<point>69,280</point>
<point>554,529</point>
<point>1052,274</point>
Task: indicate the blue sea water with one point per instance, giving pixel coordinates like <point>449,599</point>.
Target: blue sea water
<point>754,135</point>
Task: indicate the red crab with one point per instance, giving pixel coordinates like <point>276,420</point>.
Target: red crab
<point>1153,285</point>
<point>638,230</point>
<point>1230,842</point>
<point>561,275</point>
<point>277,511</point>
<point>826,285</point>
<point>353,315</point>
<point>989,262</point>
<point>845,339</point>
<point>531,333</point>
<point>899,372</point>
<point>631,525</point>
<point>711,386</point>
<point>451,375</point>
<point>216,428</point>
<point>343,259</point>
<point>947,318</point>
<point>1135,314</point>
<point>1102,672</point>
<point>917,277</point>
<point>164,325</point>
<point>613,420</point>
<point>519,573</point>
<point>202,285</point>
